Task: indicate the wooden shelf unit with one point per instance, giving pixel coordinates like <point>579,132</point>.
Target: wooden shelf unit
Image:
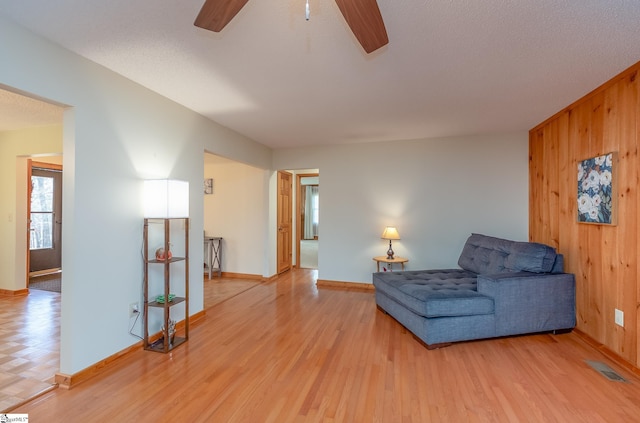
<point>161,340</point>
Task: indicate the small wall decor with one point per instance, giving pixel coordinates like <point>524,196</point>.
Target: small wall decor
<point>597,196</point>
<point>208,186</point>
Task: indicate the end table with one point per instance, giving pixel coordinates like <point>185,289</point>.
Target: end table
<point>384,259</point>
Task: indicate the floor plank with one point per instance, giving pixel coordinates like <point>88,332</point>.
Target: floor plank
<point>286,351</point>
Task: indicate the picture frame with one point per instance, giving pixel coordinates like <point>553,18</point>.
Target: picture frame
<point>208,186</point>
<point>597,199</point>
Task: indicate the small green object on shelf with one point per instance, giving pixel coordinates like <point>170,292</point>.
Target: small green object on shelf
<point>160,298</point>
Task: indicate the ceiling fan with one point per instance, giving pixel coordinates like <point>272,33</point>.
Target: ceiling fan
<point>362,16</point>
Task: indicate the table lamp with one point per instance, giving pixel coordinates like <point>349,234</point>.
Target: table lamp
<point>390,233</point>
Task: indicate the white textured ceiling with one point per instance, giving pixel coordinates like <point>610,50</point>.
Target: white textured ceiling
<point>18,112</point>
<point>452,67</point>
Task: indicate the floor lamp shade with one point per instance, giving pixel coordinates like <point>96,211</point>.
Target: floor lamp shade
<point>166,198</point>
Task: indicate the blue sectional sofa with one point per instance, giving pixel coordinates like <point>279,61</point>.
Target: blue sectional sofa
<point>502,288</point>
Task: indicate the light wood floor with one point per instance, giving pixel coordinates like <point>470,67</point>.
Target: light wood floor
<point>286,351</point>
<point>30,334</point>
<point>29,345</point>
<point>217,290</point>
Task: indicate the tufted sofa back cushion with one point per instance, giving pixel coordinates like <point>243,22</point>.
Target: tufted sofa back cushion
<point>488,255</point>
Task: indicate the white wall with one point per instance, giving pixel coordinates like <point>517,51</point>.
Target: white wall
<point>15,148</point>
<point>116,133</point>
<point>435,191</point>
<point>237,211</point>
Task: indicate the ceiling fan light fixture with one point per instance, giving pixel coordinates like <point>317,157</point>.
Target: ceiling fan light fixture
<point>216,14</point>
<point>362,16</point>
<point>366,23</point>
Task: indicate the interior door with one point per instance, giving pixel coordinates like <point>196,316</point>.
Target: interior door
<point>45,218</point>
<point>284,221</point>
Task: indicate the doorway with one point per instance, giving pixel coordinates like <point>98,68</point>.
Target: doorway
<point>44,209</point>
<point>308,219</point>
<point>38,133</point>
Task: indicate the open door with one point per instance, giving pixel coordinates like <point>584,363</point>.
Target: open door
<point>45,217</point>
<point>284,221</point>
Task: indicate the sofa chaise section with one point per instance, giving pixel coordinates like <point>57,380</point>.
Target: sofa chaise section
<point>502,288</point>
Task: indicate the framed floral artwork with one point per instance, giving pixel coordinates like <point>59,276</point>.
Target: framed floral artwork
<point>597,199</point>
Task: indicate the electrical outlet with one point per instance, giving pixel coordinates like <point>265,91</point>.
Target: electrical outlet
<point>134,308</point>
<point>619,317</point>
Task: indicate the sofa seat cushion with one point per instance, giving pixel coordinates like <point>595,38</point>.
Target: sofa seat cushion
<point>435,293</point>
<point>487,255</point>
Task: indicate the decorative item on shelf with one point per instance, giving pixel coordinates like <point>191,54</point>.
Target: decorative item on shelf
<point>161,255</point>
<point>390,233</point>
<point>160,298</point>
<point>171,333</point>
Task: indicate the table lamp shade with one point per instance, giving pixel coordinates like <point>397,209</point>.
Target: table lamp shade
<point>166,198</point>
<point>390,233</point>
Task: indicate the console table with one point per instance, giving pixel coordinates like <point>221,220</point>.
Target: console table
<point>213,255</point>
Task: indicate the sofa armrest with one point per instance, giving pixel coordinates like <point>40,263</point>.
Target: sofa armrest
<point>528,302</point>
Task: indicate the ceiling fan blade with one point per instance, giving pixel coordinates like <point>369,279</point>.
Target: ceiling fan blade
<point>216,14</point>
<point>365,20</point>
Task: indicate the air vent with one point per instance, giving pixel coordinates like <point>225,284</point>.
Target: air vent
<point>606,371</point>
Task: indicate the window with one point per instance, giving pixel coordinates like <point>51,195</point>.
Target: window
<point>315,205</point>
<point>41,213</point>
<point>311,211</point>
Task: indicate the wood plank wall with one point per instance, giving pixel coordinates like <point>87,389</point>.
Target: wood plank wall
<point>604,258</point>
